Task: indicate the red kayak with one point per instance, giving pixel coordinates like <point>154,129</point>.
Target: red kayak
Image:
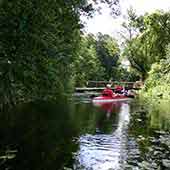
<point>109,99</point>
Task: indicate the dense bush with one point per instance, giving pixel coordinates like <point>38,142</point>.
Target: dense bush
<point>158,83</point>
<point>38,44</point>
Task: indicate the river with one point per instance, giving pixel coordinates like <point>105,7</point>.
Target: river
<point>77,135</point>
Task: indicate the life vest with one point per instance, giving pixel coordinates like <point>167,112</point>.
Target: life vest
<point>107,92</point>
<point>118,88</point>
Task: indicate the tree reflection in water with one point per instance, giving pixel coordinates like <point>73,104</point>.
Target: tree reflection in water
<point>41,135</point>
<point>46,135</point>
<point>106,151</point>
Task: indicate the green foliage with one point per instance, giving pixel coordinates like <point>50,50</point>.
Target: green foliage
<point>138,57</point>
<point>159,115</point>
<point>98,59</point>
<point>157,84</point>
<point>108,52</point>
<point>149,53</point>
<point>38,43</point>
<point>149,44</point>
<point>124,74</point>
<point>157,30</point>
<point>39,48</point>
<point>87,65</point>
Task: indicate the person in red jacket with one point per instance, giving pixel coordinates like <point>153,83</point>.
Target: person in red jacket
<point>108,91</point>
<point>118,89</point>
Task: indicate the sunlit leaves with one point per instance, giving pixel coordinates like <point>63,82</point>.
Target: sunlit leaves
<point>150,43</point>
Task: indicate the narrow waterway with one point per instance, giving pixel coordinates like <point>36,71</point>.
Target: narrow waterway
<point>78,135</point>
<point>105,151</point>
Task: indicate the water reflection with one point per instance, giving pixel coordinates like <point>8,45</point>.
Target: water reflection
<point>109,107</point>
<point>105,151</point>
<point>46,135</point>
<point>160,115</point>
<point>41,135</point>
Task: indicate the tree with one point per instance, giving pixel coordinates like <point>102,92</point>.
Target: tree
<point>38,46</point>
<point>38,42</point>
<point>108,53</point>
<point>149,44</point>
<point>87,65</point>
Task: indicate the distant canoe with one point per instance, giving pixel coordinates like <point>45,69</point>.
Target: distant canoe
<point>109,99</point>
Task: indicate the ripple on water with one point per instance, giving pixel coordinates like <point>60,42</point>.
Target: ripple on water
<point>107,151</point>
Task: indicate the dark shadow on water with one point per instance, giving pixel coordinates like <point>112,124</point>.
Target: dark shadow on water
<point>44,135</point>
<point>52,136</point>
<point>108,114</point>
<point>38,136</point>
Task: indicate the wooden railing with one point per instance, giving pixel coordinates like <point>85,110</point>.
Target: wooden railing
<point>113,83</point>
<point>100,85</point>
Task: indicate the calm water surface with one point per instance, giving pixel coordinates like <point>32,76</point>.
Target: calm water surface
<point>75,135</point>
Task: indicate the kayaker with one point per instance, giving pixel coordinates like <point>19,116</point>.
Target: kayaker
<point>108,91</point>
<point>118,89</point>
<point>131,93</point>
